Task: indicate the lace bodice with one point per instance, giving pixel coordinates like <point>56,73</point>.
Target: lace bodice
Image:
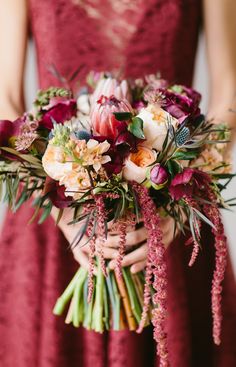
<point>132,36</point>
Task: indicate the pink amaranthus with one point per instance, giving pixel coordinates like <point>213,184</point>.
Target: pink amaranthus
<point>156,273</point>
<point>213,213</point>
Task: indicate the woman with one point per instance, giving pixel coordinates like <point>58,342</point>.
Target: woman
<point>138,37</point>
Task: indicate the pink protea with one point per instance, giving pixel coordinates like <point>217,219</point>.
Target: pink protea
<point>212,212</point>
<point>102,116</point>
<point>157,268</point>
<point>110,87</point>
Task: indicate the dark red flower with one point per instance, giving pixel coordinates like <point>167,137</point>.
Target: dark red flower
<point>182,104</point>
<point>6,132</point>
<point>60,109</point>
<point>188,182</point>
<point>56,193</point>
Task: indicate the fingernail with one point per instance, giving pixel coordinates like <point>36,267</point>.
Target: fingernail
<point>133,269</point>
<point>112,265</point>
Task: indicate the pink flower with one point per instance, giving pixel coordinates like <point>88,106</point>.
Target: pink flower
<point>60,109</point>
<point>110,87</point>
<point>103,119</point>
<point>158,175</point>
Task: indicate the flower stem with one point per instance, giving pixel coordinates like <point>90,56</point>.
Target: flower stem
<point>135,306</point>
<point>78,294</point>
<point>117,308</point>
<point>98,306</point>
<point>126,302</point>
<point>67,294</point>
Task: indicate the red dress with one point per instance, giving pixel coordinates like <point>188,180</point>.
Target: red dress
<point>137,37</point>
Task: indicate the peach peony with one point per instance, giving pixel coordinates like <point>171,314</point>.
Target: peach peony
<point>136,164</point>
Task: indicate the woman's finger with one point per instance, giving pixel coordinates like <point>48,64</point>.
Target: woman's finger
<point>110,253</point>
<point>138,266</point>
<point>81,258</point>
<point>133,257</point>
<point>132,238</point>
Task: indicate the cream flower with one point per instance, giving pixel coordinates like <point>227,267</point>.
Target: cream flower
<point>155,125</point>
<point>136,164</point>
<point>91,153</point>
<point>209,160</point>
<point>76,182</point>
<point>54,162</point>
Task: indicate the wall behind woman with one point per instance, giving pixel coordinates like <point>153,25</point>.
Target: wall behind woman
<point>200,83</point>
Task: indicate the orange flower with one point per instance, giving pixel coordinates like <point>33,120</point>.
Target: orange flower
<point>143,157</point>
<point>136,164</point>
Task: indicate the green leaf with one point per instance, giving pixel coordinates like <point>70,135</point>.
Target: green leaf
<point>136,128</point>
<point>204,218</point>
<point>46,212</point>
<point>123,116</point>
<point>185,155</point>
<point>173,167</point>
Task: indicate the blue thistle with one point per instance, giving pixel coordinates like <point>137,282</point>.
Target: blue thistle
<point>182,136</point>
<point>83,135</point>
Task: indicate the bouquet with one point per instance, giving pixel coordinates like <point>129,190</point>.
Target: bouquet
<point>121,154</point>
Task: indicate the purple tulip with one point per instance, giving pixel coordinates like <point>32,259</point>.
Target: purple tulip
<point>158,175</point>
<point>188,182</point>
<point>60,109</point>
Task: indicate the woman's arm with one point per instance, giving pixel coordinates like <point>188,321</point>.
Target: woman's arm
<point>220,29</point>
<point>13,42</point>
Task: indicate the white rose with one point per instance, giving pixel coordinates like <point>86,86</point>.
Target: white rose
<point>155,125</point>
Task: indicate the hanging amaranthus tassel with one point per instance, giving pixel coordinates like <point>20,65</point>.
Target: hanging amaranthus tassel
<point>92,251</point>
<point>101,221</point>
<point>213,213</point>
<point>156,266</point>
<point>197,228</point>
<point>101,230</point>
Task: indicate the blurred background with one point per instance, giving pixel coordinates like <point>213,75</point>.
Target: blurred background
<point>200,83</point>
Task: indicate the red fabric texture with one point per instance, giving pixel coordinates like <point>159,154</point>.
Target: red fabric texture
<point>137,37</point>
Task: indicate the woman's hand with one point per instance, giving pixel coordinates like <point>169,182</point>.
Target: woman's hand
<point>136,245</point>
<point>80,252</point>
<point>138,257</point>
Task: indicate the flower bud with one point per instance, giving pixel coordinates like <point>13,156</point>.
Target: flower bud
<point>158,175</point>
